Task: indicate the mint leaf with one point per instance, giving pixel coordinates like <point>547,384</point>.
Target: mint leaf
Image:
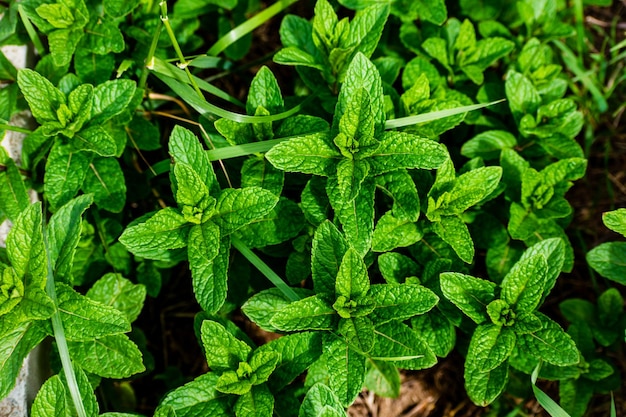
<point>153,238</point>
<point>63,44</point>
<point>284,222</point>
<point>321,401</point>
<point>258,172</point>
<point>94,139</point>
<point>118,292</point>
<point>25,247</point>
<point>356,216</point>
<point>64,174</point>
<point>484,387</point>
<point>328,250</point>
<point>367,27</point>
<point>396,267</point>
<point>399,345</point>
<point>85,319</point>
<point>13,195</point>
<point>490,347</point>
<point>43,98</point>
<point>607,260</point>
<point>311,313</point>
<point>238,207</point>
<point>112,356</point>
<point>51,399</point>
<point>400,302</point>
<point>197,398</point>
<point>192,195</point>
<point>105,180</point>
<point>488,145</point>
<point>350,175</point>
<point>16,341</point>
<point>261,307</point>
<point>550,343</point>
<point>264,92</point>
<point>404,150</point>
<point>185,148</point>
<point>110,99</point>
<point>64,234</point>
<point>309,154</point>
<point>346,370</point>
<point>523,286</point>
<point>297,352</point>
<point>382,378</point>
<point>352,280</point>
<point>521,94</point>
<point>259,401</point>
<point>436,330</point>
<point>391,233</point>
<point>469,294</point>
<point>615,220</point>
<point>400,187</point>
<point>223,350</point>
<point>210,278</point>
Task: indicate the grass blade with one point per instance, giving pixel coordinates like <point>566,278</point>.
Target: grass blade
<point>248,26</point>
<point>543,399</point>
<point>435,115</point>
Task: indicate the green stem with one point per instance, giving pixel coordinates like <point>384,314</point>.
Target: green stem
<point>150,57</point>
<point>59,336</point>
<point>243,150</point>
<point>30,29</point>
<point>264,269</point>
<point>248,26</point>
<point>15,129</point>
<point>183,63</point>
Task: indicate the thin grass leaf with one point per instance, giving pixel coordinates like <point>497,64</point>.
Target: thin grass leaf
<point>435,115</point>
<point>162,67</point>
<point>209,110</point>
<point>248,26</point>
<point>570,60</point>
<point>543,399</point>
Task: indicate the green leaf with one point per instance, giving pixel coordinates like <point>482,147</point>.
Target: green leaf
<point>454,232</point>
<point>321,401</point>
<point>261,307</point>
<point>11,290</point>
<point>314,201</point>
<point>358,332</point>
<point>346,370</point>
<point>85,319</point>
<point>284,222</point>
<point>94,139</point>
<point>64,234</point>
<point>64,174</point>
<point>400,187</point>
<point>263,363</point>
<point>264,92</point>
<point>51,399</point>
<point>110,99</point>
<point>118,292</point>
<point>297,352</point>
<point>210,278</point>
<point>223,350</point>
<point>352,280</point>
<point>63,44</point>
<point>192,195</point>
<point>239,207</point>
<point>521,94</point>
<point>383,379</point>
<point>575,395</point>
<point>523,286</point>
<point>608,260</point>
<point>102,37</point>
<point>165,230</point>
<point>309,154</point>
<point>436,330</point>
<point>471,188</point>
<point>105,180</point>
<point>198,398</point>
<point>259,401</point>
<point>396,267</point>
<point>328,250</point>
<point>615,220</point>
<point>350,175</point>
<point>470,294</point>
<point>488,145</point>
<point>16,341</point>
<point>43,98</point>
<point>484,387</point>
<point>550,343</point>
<point>258,172</point>
<point>311,313</point>
<point>399,345</point>
<point>490,347</point>
<point>13,195</point>
<point>400,302</point>
<point>110,356</point>
<point>356,216</point>
<point>185,148</point>
<point>404,150</point>
<point>25,248</point>
<point>367,27</point>
<point>391,233</point>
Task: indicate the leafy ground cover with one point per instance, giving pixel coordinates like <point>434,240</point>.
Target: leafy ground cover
<point>302,208</point>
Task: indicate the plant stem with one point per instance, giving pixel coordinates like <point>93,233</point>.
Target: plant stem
<point>30,29</point>
<point>59,336</point>
<point>15,129</point>
<point>264,269</point>
<point>150,57</point>
<point>183,64</point>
